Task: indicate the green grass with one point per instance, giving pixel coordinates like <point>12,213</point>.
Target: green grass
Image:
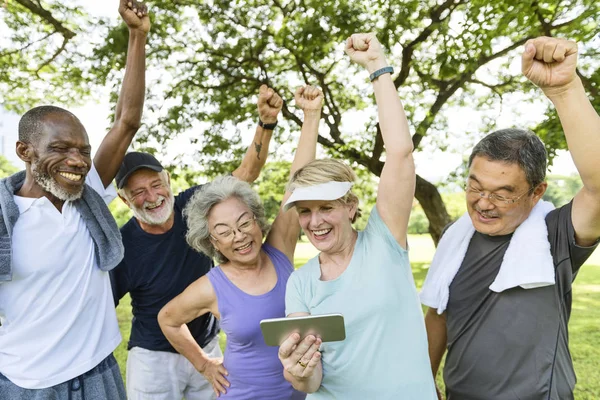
<point>584,327</point>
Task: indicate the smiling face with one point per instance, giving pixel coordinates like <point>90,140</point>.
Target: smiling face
<point>61,158</point>
<point>149,196</point>
<point>234,231</point>
<point>327,224</point>
<point>505,180</point>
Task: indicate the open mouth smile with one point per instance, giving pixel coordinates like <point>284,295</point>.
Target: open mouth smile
<point>70,176</point>
<point>321,232</point>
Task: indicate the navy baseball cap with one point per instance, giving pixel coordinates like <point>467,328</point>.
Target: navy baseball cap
<point>134,161</point>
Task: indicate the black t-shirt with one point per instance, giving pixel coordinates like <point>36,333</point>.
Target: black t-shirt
<point>513,344</point>
<point>155,269</point>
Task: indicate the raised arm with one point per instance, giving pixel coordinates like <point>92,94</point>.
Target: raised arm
<point>551,63</point>
<point>269,105</point>
<point>397,181</point>
<point>286,228</point>
<point>128,114</point>
<point>198,299</point>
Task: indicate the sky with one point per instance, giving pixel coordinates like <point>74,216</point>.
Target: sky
<point>433,166</point>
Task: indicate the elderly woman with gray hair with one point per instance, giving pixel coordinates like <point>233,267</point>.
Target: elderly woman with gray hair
<point>226,220</point>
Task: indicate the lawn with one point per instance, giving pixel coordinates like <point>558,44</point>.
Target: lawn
<point>584,327</point>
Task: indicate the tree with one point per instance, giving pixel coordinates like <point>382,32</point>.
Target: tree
<point>40,53</point>
<point>214,55</point>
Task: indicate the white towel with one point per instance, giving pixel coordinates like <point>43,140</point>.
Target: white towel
<point>527,262</point>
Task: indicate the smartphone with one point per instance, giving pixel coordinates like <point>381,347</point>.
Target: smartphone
<point>329,327</point>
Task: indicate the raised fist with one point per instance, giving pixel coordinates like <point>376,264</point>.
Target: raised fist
<point>309,98</point>
<point>135,15</point>
<point>365,49</point>
<point>550,62</point>
<point>269,104</point>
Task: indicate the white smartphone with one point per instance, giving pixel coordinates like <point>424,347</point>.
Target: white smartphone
<point>329,327</point>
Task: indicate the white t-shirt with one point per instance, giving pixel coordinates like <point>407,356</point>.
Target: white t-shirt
<point>58,315</point>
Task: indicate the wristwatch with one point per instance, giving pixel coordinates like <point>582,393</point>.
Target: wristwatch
<point>269,127</point>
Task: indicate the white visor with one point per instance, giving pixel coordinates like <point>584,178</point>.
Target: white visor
<point>325,191</point>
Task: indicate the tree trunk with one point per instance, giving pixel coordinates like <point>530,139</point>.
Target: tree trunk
<point>433,206</point>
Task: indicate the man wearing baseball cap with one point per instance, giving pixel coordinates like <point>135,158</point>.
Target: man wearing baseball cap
<point>158,265</point>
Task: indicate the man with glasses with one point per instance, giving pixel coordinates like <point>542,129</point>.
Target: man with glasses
<point>159,264</point>
<point>499,287</point>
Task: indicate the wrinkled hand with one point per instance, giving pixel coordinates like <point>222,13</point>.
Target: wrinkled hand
<point>135,15</point>
<point>550,62</point>
<point>364,49</point>
<point>309,98</point>
<point>300,359</point>
<point>215,373</point>
<point>269,104</point>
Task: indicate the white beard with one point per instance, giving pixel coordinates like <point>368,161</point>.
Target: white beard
<point>50,185</point>
<point>151,218</point>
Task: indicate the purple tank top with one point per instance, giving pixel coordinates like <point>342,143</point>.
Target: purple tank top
<point>255,371</point>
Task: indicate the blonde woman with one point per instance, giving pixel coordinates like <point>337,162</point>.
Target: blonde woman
<point>366,275</point>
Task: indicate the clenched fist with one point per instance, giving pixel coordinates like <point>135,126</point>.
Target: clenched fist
<point>269,104</point>
<point>365,49</point>
<point>550,63</point>
<point>309,98</point>
<point>135,15</point>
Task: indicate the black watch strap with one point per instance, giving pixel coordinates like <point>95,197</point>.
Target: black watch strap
<point>267,126</point>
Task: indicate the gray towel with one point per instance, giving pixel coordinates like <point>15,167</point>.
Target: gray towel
<point>108,246</point>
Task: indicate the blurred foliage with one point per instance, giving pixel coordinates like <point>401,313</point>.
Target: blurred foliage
<point>561,189</point>
<point>6,167</point>
<point>206,60</point>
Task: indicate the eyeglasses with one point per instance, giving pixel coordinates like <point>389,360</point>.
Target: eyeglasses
<point>229,234</point>
<point>494,198</point>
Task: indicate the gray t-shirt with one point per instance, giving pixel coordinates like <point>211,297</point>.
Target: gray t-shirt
<point>514,344</point>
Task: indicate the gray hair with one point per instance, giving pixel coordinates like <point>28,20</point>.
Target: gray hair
<point>31,123</point>
<point>198,207</point>
<point>518,146</point>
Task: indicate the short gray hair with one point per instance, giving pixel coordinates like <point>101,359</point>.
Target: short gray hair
<point>198,207</point>
<point>518,146</point>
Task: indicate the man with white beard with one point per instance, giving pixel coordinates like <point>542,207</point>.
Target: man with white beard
<point>159,264</point>
<point>58,240</point>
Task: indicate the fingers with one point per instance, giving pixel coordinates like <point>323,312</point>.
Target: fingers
<point>349,49</point>
<point>299,91</point>
<point>268,96</point>
<point>312,365</point>
<point>360,41</point>
<point>138,8</point>
<point>288,345</point>
<point>307,357</point>
<point>218,388</point>
<point>262,90</point>
<point>311,92</point>
<point>527,57</point>
<point>549,49</point>
<point>222,380</point>
<point>302,348</point>
<point>275,101</point>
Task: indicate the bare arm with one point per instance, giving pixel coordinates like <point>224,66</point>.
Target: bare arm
<point>551,63</point>
<point>198,299</point>
<point>286,228</point>
<point>128,114</point>
<point>269,105</point>
<point>437,338</point>
<point>397,181</point>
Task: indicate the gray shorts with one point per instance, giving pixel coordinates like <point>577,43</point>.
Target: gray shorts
<point>103,382</point>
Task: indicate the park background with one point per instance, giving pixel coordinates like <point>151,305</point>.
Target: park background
<point>457,70</point>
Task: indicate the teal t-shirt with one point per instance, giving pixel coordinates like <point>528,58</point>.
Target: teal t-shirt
<point>385,353</point>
